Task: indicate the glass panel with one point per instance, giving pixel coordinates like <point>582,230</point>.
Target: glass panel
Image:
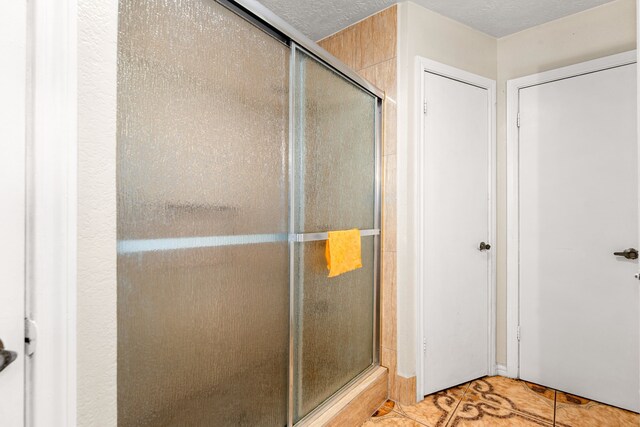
<point>202,151</point>
<point>202,122</point>
<point>203,337</point>
<point>333,324</point>
<point>335,153</point>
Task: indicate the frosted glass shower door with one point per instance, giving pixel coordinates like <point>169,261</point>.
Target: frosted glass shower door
<point>203,257</point>
<point>334,188</point>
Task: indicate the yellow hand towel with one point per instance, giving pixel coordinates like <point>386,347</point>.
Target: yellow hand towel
<point>343,252</point>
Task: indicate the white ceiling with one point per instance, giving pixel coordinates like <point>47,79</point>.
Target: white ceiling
<point>320,18</point>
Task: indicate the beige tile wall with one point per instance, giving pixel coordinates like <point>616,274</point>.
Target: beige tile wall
<point>369,47</point>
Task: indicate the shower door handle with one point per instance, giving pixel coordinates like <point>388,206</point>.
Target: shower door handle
<point>630,253</point>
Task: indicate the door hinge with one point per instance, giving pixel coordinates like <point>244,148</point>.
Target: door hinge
<point>424,107</point>
<point>518,120</point>
<point>30,336</point>
<point>424,345</point>
<point>518,333</point>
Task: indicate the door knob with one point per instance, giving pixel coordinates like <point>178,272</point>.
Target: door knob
<point>630,253</point>
<point>484,246</point>
<point>6,357</point>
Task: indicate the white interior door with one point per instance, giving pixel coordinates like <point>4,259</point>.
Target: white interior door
<point>457,205</point>
<point>579,205</point>
<point>12,211</point>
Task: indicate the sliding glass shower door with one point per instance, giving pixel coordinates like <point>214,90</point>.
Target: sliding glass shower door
<point>203,267</point>
<point>237,153</point>
<point>334,189</point>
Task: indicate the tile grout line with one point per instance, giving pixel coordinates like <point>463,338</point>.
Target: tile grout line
<point>528,414</point>
<point>450,417</point>
<point>555,405</point>
<point>459,402</point>
<point>523,413</point>
<point>403,415</point>
<point>396,411</point>
<point>534,415</point>
<point>377,63</point>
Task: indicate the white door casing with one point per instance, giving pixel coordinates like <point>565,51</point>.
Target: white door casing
<point>637,55</point>
<point>455,189</point>
<point>12,215</point>
<point>573,201</point>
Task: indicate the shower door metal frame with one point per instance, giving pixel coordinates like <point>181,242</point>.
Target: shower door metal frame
<point>309,237</point>
<point>277,27</point>
<point>273,25</point>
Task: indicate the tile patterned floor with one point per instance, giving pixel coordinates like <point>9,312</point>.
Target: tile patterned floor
<point>499,401</point>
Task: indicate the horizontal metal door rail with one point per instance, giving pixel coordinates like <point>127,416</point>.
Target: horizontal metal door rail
<point>175,243</point>
<point>312,237</point>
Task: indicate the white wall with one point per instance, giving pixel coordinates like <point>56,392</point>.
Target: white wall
<point>424,33</point>
<point>96,275</point>
<point>594,33</point>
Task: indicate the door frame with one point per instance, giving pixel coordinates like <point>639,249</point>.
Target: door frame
<point>424,65</point>
<point>513,202</point>
<point>51,212</point>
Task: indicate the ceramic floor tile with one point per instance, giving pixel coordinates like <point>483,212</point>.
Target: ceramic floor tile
<point>385,409</point>
<point>497,402</point>
<point>528,399</point>
<point>576,411</point>
<point>481,413</point>
<point>391,419</point>
<point>436,409</point>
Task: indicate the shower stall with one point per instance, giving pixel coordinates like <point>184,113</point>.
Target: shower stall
<point>240,145</point>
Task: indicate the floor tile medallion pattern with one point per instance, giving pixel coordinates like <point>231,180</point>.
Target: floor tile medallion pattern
<point>499,401</point>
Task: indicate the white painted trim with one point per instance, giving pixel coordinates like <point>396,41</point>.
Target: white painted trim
<point>423,65</point>
<point>638,102</point>
<point>513,225</point>
<point>501,370</point>
<point>51,211</point>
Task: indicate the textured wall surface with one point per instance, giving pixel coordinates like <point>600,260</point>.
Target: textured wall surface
<point>318,19</point>
<point>96,280</point>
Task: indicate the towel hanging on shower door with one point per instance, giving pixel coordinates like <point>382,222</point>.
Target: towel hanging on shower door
<point>343,251</point>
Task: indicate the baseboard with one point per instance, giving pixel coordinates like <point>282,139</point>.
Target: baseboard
<point>501,370</point>
<point>405,392</point>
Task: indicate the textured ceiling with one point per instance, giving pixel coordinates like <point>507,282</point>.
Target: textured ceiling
<point>317,19</point>
<point>320,18</point>
<point>499,18</point>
